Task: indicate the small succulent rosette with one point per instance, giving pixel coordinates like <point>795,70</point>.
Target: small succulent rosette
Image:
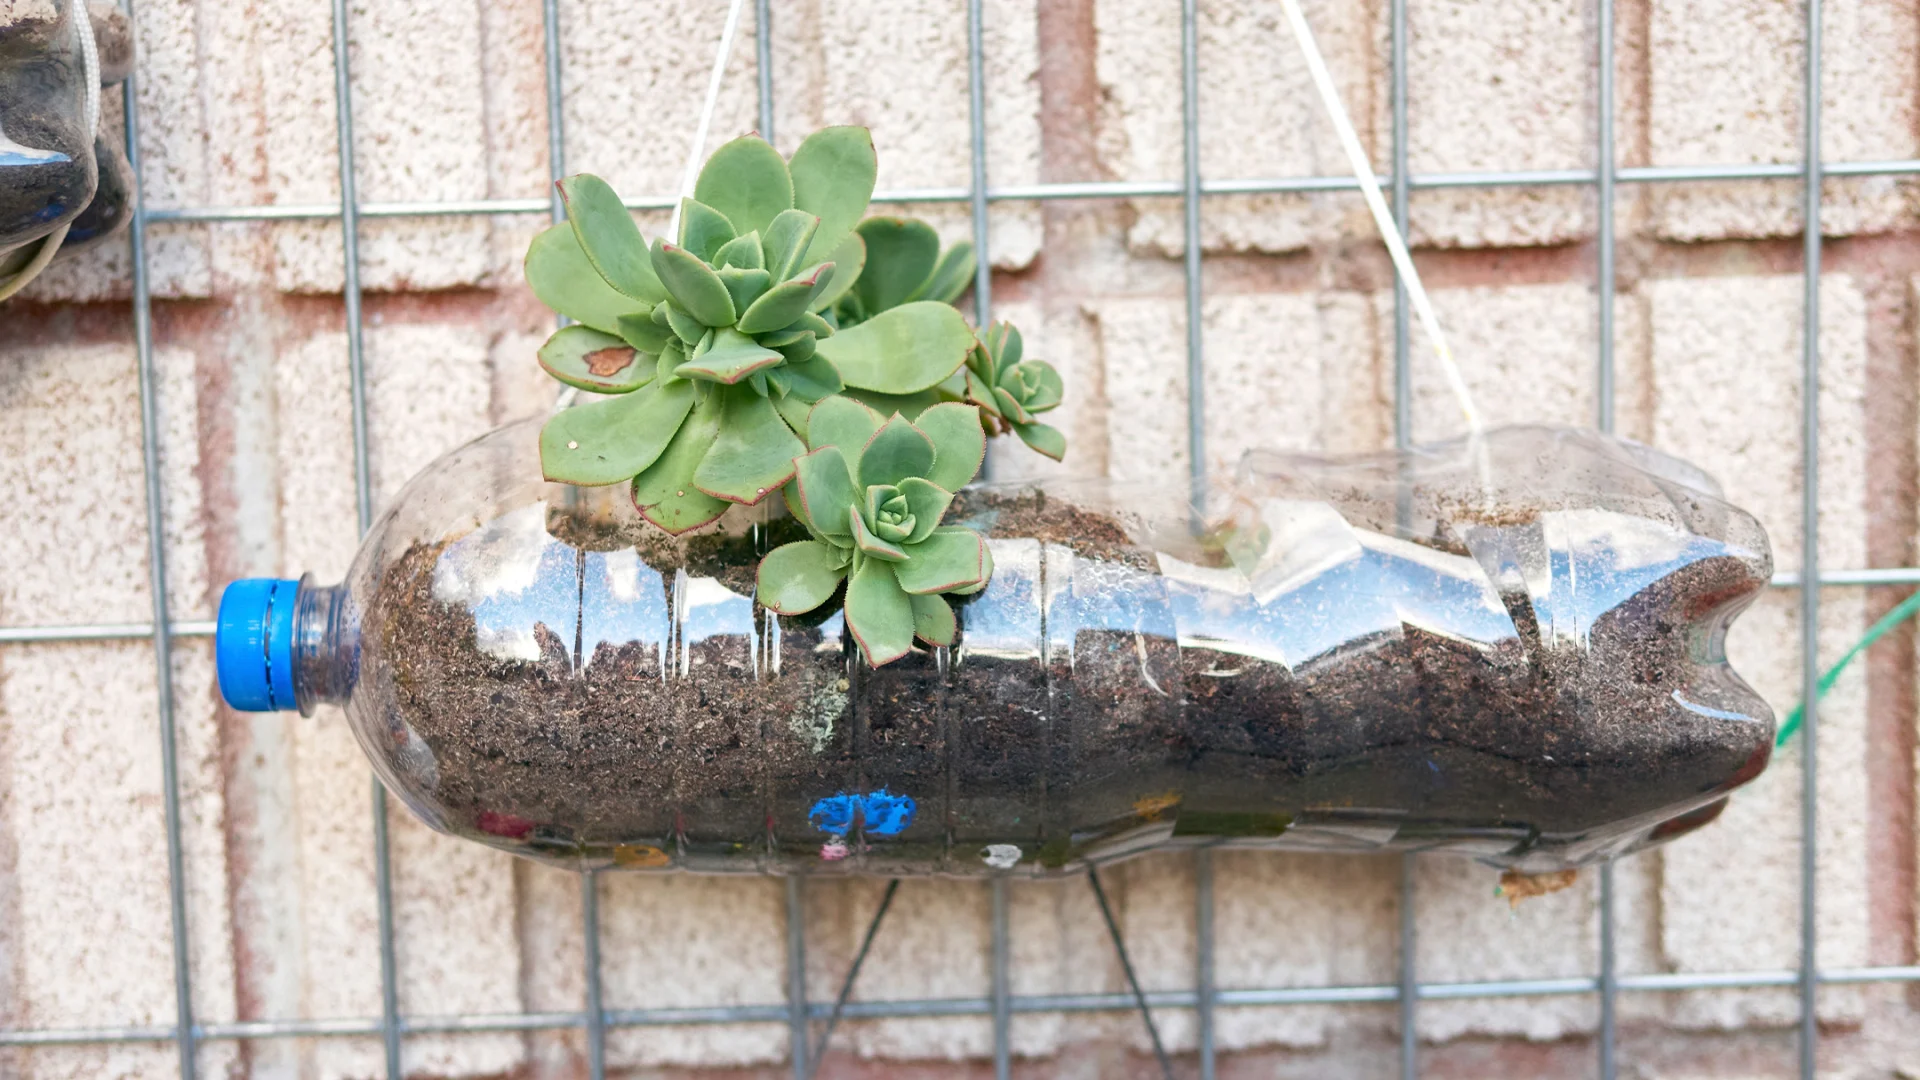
<point>1011,391</point>
<point>872,494</point>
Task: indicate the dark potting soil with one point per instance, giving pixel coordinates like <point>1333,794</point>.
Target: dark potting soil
<point>1091,706</point>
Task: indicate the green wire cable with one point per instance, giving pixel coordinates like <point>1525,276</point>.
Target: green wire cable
<point>1891,619</point>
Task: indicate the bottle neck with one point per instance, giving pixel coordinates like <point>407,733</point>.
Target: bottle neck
<point>326,646</point>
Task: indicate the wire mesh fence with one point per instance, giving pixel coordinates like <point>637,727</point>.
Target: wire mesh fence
<point>1204,997</point>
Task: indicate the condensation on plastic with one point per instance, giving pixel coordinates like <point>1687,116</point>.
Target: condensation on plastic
<point>1512,651</point>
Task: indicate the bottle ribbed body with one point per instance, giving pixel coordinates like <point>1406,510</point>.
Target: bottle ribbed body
<point>1512,651</point>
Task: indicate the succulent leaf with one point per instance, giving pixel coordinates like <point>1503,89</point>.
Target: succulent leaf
<point>800,576</point>
<point>871,545</point>
<point>824,491</point>
<point>747,181</point>
<point>818,326</point>
<point>693,285</point>
<point>794,411</point>
<point>564,280</point>
<point>845,423</point>
<point>732,357</point>
<point>1010,407</point>
<point>887,513</point>
<point>606,442</point>
<point>879,614</point>
<point>952,557</point>
<point>901,253</point>
<point>665,493</point>
<point>704,231</point>
<point>609,237</point>
<point>800,349</point>
<point>959,444</point>
<point>833,173</point>
<point>898,450</point>
<point>1005,345</point>
<point>849,261</point>
<point>780,305</point>
<point>812,379</point>
<point>1040,385</point>
<point>907,405</point>
<point>933,620</point>
<point>927,502</point>
<point>754,452</point>
<point>786,241</point>
<point>1043,439</point>
<point>743,252</point>
<point>684,326</point>
<point>951,275</point>
<point>640,331</point>
<point>909,348</point>
<point>744,286</point>
<point>586,358</point>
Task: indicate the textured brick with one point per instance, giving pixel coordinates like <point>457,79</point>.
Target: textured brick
<point>1725,370</point>
<point>418,115</point>
<point>1291,371</point>
<point>1528,354</point>
<point>905,77</point>
<point>1498,87</point>
<point>1727,84</point>
<point>1259,898</point>
<point>679,941</point>
<point>1259,118</point>
<point>81,806</point>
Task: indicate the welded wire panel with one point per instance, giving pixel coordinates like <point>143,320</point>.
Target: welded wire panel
<point>1192,190</point>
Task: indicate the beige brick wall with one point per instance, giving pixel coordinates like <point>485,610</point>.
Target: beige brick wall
<point>237,108</point>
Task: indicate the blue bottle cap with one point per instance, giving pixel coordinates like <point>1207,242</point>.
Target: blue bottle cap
<point>253,644</point>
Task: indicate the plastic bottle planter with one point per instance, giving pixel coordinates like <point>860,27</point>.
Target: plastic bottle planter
<point>53,169</point>
<point>1515,654</point>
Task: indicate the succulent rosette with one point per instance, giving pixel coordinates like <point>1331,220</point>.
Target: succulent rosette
<point>713,349</point>
<point>1011,391</point>
<point>872,494</point>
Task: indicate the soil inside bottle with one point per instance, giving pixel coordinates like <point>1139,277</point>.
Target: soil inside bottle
<point>1094,706</point>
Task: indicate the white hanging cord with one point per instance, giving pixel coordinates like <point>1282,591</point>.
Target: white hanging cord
<point>1382,217</point>
<point>89,71</point>
<point>706,115</point>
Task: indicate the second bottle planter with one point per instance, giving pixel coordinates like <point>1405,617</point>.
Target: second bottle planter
<point>1511,649</point>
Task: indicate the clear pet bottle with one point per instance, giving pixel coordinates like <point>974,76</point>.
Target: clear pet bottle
<point>1511,648</point>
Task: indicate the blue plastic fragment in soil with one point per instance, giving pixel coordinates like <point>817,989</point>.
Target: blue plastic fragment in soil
<point>884,813</point>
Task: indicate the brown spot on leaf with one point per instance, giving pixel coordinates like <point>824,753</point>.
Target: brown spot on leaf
<point>609,361</point>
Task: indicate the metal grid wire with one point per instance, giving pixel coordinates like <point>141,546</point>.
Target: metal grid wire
<point>797,1012</point>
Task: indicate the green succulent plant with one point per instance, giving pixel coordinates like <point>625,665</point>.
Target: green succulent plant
<point>872,493</point>
<point>714,348</point>
<point>1010,391</point>
<point>904,264</point>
